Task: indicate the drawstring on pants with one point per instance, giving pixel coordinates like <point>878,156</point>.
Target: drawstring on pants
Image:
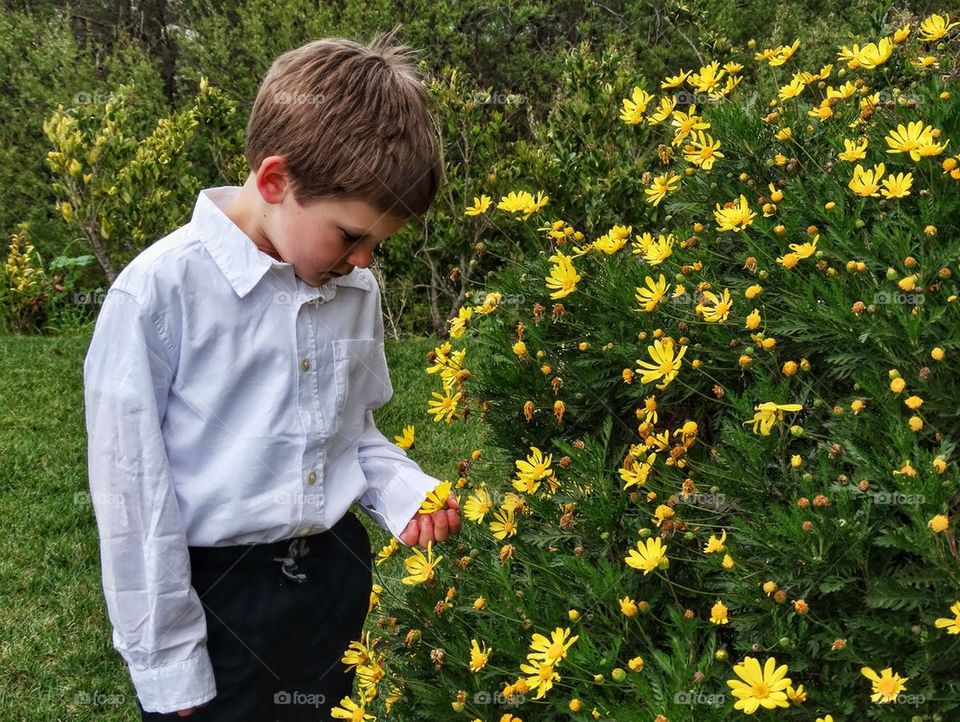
<point>298,549</point>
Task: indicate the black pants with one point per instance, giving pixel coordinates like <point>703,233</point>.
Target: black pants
<point>275,640</point>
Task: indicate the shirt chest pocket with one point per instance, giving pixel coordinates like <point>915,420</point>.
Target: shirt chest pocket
<point>362,377</point>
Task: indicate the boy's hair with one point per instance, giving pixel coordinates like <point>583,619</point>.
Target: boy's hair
<point>352,121</point>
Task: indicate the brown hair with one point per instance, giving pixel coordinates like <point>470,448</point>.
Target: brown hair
<point>352,121</point>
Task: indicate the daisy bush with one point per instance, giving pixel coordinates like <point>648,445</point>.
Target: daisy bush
<point>723,478</point>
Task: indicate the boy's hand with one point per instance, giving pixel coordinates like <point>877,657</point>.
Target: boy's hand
<point>435,527</point>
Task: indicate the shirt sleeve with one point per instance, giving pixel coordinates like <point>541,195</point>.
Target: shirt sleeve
<point>396,485</point>
<point>158,621</point>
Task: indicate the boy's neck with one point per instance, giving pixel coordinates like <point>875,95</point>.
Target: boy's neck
<point>243,211</point>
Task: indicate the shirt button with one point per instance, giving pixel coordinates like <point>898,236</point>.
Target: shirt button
<point>305,364</point>
<point>312,477</point>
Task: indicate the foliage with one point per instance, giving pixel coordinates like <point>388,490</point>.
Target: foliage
<point>122,191</point>
<point>756,366</point>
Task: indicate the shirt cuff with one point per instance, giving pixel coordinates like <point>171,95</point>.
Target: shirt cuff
<point>176,686</point>
<point>393,506</point>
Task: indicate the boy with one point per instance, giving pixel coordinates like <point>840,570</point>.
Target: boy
<point>229,389</point>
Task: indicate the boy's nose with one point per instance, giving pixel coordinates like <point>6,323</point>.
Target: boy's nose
<point>362,258</point>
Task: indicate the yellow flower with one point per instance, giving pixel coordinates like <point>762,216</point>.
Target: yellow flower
<point>661,185</point>
<point>900,35</point>
<point>478,656</point>
<point>716,544</point>
<point>886,686</point>
<point>532,470</point>
<point>727,562</point>
<point>897,185</point>
<point>753,320</point>
<point>656,251</point>
<point>504,524</point>
<point>869,56</point>
<point>436,499</point>
<point>735,218</point>
<point>675,81</point>
<point>702,150</point>
<point>664,111</point>
<point>444,407</point>
<point>541,677</point>
<point>480,206</point>
<point>647,556</point>
<point>637,472</point>
<point>661,514</point>
<point>563,276</point>
<point>718,614</point>
<point>805,250</point>
<point>797,695</point>
<point>459,324</point>
<point>708,77</point>
<point>350,710</point>
<point>935,27</point>
<point>420,568</point>
<point>717,308</point>
<point>477,505</point>
<point>635,106</point>
<point>635,664</point>
<point>686,123</point>
<point>866,183</point>
<point>628,606</point>
<point>406,439</point>
<point>650,296</point>
<point>792,89</point>
<point>939,523</point>
<point>909,138</point>
<point>764,687</point>
<point>852,151</point>
<point>665,366</point>
<point>768,413</point>
<point>552,650</point>
<point>783,53</point>
<point>951,625</point>
<point>387,551</point>
<point>514,201</point>
<point>925,61</point>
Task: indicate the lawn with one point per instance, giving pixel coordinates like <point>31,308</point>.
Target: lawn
<point>56,658</point>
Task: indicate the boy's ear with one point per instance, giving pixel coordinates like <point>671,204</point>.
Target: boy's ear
<point>273,180</point>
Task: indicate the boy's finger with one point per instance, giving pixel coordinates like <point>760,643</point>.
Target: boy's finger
<point>440,532</point>
<point>453,521</point>
<point>410,533</point>
<point>426,530</point>
<point>452,501</point>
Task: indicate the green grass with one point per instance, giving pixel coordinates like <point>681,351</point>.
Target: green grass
<point>56,657</point>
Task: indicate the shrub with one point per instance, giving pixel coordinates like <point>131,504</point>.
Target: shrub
<point>728,422</point>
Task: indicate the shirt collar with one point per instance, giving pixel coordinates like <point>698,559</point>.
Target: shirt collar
<point>238,257</point>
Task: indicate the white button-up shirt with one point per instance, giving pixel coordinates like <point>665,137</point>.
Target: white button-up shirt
<point>227,402</point>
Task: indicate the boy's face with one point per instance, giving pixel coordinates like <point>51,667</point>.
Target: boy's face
<point>320,238</point>
<point>328,237</point>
